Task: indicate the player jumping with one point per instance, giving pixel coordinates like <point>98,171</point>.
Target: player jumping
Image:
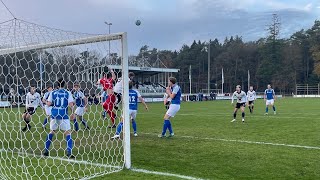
<point>174,92</point>
<point>134,95</point>
<point>269,97</point>
<point>33,100</point>
<point>81,103</point>
<point>118,89</point>
<point>107,82</point>
<point>60,99</point>
<point>241,102</point>
<point>252,96</point>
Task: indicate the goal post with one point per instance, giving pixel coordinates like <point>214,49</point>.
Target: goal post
<point>35,55</point>
<point>125,73</point>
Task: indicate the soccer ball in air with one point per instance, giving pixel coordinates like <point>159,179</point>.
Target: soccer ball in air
<point>138,22</point>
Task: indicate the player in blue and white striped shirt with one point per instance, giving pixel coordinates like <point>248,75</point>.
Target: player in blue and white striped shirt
<point>81,103</point>
<point>60,99</point>
<point>46,107</point>
<point>174,92</point>
<point>134,96</point>
<point>269,97</point>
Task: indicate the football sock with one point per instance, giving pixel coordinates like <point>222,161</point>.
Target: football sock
<point>119,128</point>
<point>48,141</point>
<point>76,125</point>
<point>69,144</point>
<point>274,108</point>
<point>134,126</point>
<point>169,126</point>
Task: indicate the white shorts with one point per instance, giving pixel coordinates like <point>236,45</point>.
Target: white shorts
<point>173,109</point>
<point>48,110</point>
<point>63,124</point>
<point>133,114</point>
<point>270,102</point>
<point>80,111</point>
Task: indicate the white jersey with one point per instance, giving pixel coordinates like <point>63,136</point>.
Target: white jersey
<point>241,97</point>
<point>251,95</point>
<point>33,100</point>
<point>165,96</point>
<point>118,87</point>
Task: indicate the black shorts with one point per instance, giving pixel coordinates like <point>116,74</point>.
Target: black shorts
<point>239,105</point>
<point>119,97</point>
<point>30,110</point>
<point>251,102</point>
<point>167,105</point>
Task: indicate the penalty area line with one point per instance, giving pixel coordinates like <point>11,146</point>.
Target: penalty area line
<point>247,142</point>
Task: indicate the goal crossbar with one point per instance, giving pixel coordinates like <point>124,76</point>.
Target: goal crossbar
<point>79,41</point>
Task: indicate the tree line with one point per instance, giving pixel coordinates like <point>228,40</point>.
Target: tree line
<point>282,62</point>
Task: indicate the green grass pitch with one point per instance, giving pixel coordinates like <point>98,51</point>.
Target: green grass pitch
<point>206,144</point>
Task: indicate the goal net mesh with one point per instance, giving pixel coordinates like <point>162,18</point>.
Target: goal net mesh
<point>35,55</point>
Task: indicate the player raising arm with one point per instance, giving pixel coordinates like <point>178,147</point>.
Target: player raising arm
<point>174,92</point>
<point>33,100</point>
<point>107,82</point>
<point>118,89</point>
<point>60,99</point>
<point>241,102</point>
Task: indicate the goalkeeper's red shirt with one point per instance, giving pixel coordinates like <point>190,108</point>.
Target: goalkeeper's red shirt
<point>106,83</point>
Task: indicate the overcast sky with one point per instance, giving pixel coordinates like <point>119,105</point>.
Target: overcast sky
<point>168,24</point>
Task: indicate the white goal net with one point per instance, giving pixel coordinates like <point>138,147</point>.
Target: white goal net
<point>35,56</point>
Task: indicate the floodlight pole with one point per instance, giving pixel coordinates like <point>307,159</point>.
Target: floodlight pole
<point>109,25</point>
<point>209,67</point>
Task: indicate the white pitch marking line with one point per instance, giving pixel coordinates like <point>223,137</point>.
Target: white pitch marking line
<point>249,116</point>
<point>165,174</point>
<point>248,142</point>
<point>118,168</point>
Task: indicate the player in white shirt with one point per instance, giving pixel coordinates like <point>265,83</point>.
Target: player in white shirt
<point>47,108</point>
<point>252,96</point>
<point>33,100</point>
<point>166,101</point>
<point>117,89</point>
<point>241,102</point>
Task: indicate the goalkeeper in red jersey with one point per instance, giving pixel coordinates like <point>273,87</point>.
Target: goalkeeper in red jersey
<point>107,82</point>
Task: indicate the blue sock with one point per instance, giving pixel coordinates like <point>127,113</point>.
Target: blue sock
<point>45,121</point>
<point>169,126</point>
<point>104,114</point>
<point>134,126</point>
<point>76,125</point>
<point>69,144</point>
<point>48,141</point>
<point>274,108</point>
<point>84,122</point>
<point>165,126</point>
<point>119,128</point>
<point>267,109</point>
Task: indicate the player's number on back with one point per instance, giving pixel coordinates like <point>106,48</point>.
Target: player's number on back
<point>132,99</point>
<point>59,102</point>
